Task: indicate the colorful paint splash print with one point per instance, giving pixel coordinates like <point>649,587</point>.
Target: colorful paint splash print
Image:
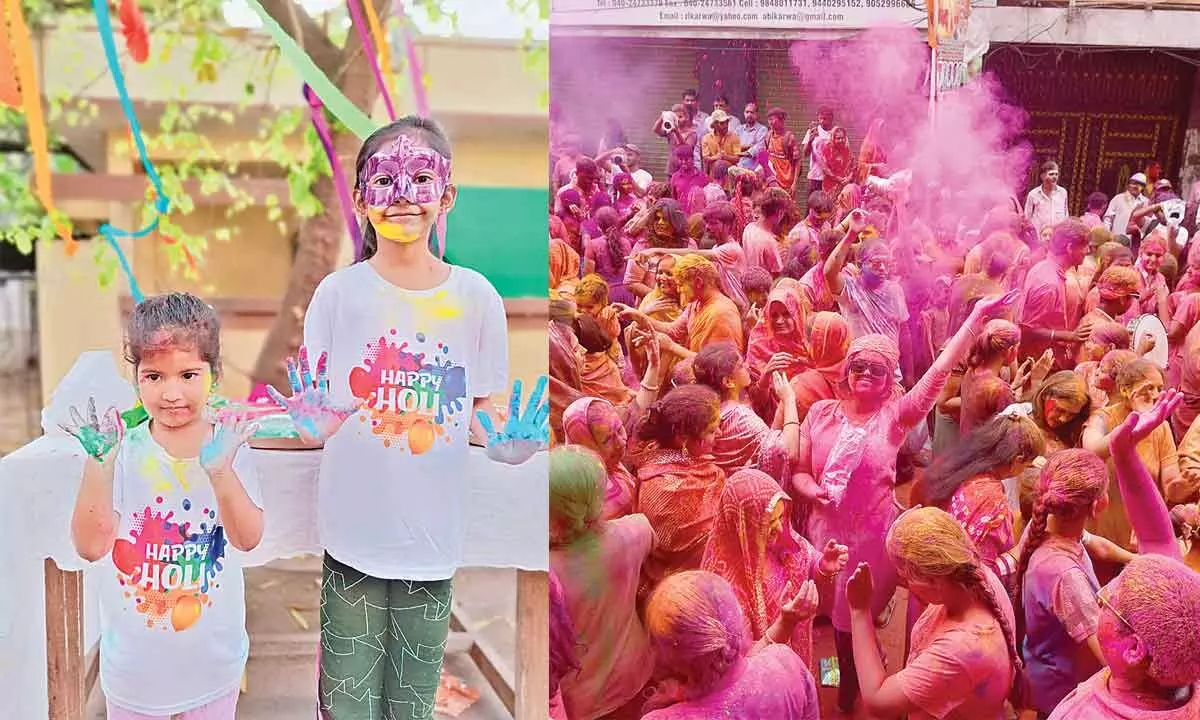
<point>411,392</point>
<point>167,569</point>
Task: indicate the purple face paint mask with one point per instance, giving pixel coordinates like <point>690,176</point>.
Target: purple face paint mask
<point>403,169</point>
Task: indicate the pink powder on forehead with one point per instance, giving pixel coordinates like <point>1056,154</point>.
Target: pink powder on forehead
<point>168,339</point>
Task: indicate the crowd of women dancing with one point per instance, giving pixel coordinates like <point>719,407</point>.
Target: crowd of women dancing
<point>764,419</point>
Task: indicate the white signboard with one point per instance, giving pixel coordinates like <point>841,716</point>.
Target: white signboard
<point>734,14</point>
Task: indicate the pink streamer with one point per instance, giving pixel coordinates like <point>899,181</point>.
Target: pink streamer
<point>414,64</point>
<point>321,125</point>
<point>364,34</point>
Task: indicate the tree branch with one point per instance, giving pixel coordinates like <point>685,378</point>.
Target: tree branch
<point>297,23</point>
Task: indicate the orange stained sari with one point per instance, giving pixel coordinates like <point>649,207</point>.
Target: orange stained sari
<point>765,342</point>
<point>595,424</point>
<point>679,495</point>
<point>711,322</point>
<point>765,565</point>
<point>781,149</point>
<point>829,342</point>
<point>564,268</point>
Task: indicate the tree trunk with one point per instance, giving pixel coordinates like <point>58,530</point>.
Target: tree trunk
<point>320,236</point>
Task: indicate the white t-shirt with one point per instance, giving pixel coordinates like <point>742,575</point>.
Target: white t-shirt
<point>392,492</point>
<point>172,605</point>
<point>815,170</point>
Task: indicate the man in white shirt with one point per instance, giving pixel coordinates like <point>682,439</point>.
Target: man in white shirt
<point>753,135</point>
<point>1046,204</point>
<point>1116,219</point>
<point>818,132</point>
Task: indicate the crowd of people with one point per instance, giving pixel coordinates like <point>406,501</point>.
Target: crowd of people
<point>769,413</point>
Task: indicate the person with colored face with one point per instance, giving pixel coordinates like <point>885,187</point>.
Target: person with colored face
<point>845,469</point>
<point>1045,322</point>
<point>783,151</point>
<point>1153,292</point>
<point>417,347</point>
<point>870,300</point>
<point>819,132</point>
<point>158,502</point>
<point>753,136</point>
<point>1121,207</point>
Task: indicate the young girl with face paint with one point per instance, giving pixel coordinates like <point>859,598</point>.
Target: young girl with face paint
<point>157,505</point>
<point>412,347</point>
<point>1148,615</point>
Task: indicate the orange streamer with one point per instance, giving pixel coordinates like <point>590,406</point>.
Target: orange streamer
<point>381,44</point>
<point>35,120</point>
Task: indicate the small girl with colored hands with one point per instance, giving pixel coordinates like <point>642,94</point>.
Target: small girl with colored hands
<point>158,504</point>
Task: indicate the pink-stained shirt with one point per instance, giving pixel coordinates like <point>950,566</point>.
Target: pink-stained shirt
<point>868,508</point>
<point>600,582</point>
<point>1091,220</point>
<point>1045,306</point>
<point>772,684</point>
<point>762,249</point>
<point>959,669</point>
<point>1091,700</point>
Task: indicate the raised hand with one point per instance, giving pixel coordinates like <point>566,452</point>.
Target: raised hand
<point>310,407</point>
<point>99,436</point>
<point>228,436</point>
<point>994,306</point>
<point>781,387</point>
<point>804,605</point>
<point>524,433</point>
<point>1138,426</point>
<point>833,558</point>
<point>860,587</point>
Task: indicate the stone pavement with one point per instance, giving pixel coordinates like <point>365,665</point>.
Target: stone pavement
<point>282,671</point>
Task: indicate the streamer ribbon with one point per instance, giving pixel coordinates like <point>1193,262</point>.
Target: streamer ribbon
<point>381,43</point>
<point>321,125</point>
<point>161,204</point>
<point>35,121</point>
<point>341,107</point>
<point>360,25</point>
<point>415,74</point>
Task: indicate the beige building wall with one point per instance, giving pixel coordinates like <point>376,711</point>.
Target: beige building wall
<point>499,133</point>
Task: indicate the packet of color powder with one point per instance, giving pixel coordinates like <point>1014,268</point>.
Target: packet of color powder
<point>831,675</point>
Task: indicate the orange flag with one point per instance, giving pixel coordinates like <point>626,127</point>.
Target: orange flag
<point>35,119</point>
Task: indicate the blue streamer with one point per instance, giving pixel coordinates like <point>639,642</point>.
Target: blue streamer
<point>161,204</point>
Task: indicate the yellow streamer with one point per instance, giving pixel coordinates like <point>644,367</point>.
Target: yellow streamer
<point>381,44</point>
<point>35,120</point>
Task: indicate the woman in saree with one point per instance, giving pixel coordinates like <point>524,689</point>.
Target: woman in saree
<point>562,647</point>
<point>1138,388</point>
<point>571,213</point>
<point>624,195</point>
<point>607,250</point>
<point>596,425</point>
<point>679,485</point>
<point>565,355</point>
<point>846,465</point>
<point>982,391</point>
<point>564,268</point>
<point>743,438</point>
<point>599,374</point>
<point>662,225</point>
<point>964,661</point>
<point>848,200</point>
<point>828,343</point>
<point>701,637</point>
<point>837,160</point>
<point>968,483</point>
<point>764,560</point>
<point>872,159</point>
<point>777,343</point>
<point>598,563</point>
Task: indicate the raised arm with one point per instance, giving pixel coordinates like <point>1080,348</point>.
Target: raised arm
<point>836,261</point>
<point>917,402</point>
<point>1144,505</point>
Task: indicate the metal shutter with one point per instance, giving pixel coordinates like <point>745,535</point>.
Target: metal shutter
<point>629,79</point>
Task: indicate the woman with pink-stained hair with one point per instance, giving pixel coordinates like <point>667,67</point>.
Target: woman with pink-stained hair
<point>846,464</point>
<point>1146,631</point>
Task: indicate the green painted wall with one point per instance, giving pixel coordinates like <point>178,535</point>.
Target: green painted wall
<point>501,232</point>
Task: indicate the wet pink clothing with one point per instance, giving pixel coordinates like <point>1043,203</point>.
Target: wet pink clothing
<point>959,669</point>
<point>772,684</point>
<point>869,505</point>
<point>980,505</point>
<point>1044,305</point>
<point>745,440</point>
<point>599,575</point>
<point>1091,700</point>
<point>761,248</point>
